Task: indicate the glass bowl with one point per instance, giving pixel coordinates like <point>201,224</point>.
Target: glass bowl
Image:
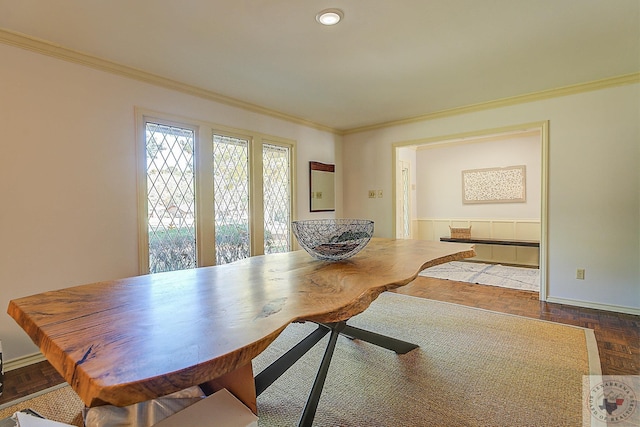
<point>333,239</point>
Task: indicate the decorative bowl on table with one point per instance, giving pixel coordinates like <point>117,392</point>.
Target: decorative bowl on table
<point>333,239</point>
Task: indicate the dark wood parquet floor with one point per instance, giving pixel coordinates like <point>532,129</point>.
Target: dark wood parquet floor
<point>618,335</point>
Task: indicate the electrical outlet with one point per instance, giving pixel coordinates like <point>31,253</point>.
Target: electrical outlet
<point>372,194</point>
<point>379,194</point>
<point>580,273</point>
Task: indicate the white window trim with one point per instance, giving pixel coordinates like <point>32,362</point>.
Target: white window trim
<point>205,230</point>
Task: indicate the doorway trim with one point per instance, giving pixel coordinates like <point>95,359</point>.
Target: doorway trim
<point>403,203</point>
<point>472,136</point>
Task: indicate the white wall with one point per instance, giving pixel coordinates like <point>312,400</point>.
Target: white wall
<point>439,178</point>
<point>594,186</point>
<point>68,179</point>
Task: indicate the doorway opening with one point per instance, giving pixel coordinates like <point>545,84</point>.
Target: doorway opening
<point>429,197</point>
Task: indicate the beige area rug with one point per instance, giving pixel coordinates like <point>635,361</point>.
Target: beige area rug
<point>59,403</point>
<point>473,368</point>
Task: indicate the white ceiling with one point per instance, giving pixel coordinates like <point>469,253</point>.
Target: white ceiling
<point>388,60</point>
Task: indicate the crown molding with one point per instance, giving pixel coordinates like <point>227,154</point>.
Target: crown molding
<point>505,102</point>
<point>54,50</point>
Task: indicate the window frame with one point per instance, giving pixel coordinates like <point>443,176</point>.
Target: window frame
<point>204,191</point>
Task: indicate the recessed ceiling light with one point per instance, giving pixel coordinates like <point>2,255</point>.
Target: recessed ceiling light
<point>329,16</point>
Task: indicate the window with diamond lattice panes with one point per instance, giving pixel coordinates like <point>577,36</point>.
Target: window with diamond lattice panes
<point>170,197</point>
<point>277,198</point>
<point>231,198</point>
<point>214,199</point>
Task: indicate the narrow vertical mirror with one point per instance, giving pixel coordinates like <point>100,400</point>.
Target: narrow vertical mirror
<point>322,189</point>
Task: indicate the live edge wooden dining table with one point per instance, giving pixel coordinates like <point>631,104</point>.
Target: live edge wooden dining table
<point>126,341</point>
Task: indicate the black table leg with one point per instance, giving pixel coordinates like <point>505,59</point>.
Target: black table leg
<point>399,346</point>
<point>312,403</point>
<point>272,372</point>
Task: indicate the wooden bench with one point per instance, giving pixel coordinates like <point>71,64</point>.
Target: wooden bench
<point>490,241</point>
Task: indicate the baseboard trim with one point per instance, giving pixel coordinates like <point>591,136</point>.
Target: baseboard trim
<point>21,362</point>
<point>595,305</point>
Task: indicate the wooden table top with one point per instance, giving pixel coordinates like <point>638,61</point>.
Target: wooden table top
<point>126,341</point>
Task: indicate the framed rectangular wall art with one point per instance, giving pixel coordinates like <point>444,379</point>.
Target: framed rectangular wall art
<point>494,185</point>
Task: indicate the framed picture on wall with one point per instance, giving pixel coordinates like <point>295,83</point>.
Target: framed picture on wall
<point>494,185</point>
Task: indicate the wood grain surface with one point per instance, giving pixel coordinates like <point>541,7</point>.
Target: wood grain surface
<point>126,341</point>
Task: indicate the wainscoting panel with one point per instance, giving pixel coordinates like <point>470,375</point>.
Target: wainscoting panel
<point>528,230</point>
<point>503,229</point>
<point>524,229</point>
<point>505,254</point>
<point>479,228</point>
<point>441,227</point>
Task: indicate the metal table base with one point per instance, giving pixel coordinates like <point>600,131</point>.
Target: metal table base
<point>272,372</point>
